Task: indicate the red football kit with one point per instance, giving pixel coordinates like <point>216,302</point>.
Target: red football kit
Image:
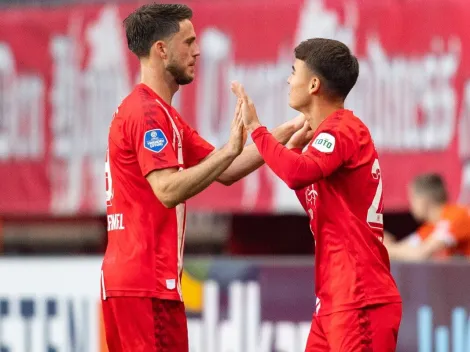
<point>339,184</point>
<point>142,267</point>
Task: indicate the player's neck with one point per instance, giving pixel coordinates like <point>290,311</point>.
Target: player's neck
<point>159,80</point>
<point>435,213</point>
<point>320,110</point>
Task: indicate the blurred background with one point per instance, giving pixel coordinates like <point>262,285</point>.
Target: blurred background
<point>248,280</point>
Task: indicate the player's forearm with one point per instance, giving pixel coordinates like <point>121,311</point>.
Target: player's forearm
<point>295,170</point>
<point>389,239</point>
<point>250,159</point>
<point>187,183</point>
<point>247,162</point>
<point>402,251</point>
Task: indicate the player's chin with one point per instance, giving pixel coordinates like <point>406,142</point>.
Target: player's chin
<point>186,79</point>
<point>293,105</point>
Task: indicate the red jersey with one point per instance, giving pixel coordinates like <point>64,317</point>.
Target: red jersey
<point>338,181</point>
<point>144,256</point>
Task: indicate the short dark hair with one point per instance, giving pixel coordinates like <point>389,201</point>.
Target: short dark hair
<point>333,62</point>
<point>433,186</point>
<point>151,23</point>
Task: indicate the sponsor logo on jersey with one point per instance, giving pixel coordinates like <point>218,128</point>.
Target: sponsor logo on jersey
<point>324,142</point>
<point>155,140</point>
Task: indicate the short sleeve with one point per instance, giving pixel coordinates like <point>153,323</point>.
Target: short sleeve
<point>195,148</point>
<point>454,228</point>
<point>150,135</point>
<point>332,147</point>
<point>444,231</point>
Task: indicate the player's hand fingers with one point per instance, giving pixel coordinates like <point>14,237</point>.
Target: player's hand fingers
<point>306,127</point>
<point>240,121</point>
<point>238,107</point>
<point>299,121</point>
<point>235,87</point>
<point>238,118</point>
<point>239,91</point>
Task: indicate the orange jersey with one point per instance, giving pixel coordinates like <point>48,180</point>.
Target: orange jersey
<point>453,228</point>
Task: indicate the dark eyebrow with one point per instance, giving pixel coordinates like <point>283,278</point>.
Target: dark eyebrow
<point>190,39</point>
<point>293,68</point>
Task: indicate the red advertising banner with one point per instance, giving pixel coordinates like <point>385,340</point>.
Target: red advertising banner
<point>64,70</point>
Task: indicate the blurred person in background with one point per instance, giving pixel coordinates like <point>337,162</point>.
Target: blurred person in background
<point>337,180</point>
<point>446,227</point>
<point>155,162</point>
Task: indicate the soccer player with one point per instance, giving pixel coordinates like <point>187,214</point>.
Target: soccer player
<point>338,182</point>
<point>155,162</point>
<point>446,229</point>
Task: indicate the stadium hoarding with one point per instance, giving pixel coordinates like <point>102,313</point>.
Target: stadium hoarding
<point>233,305</point>
<point>58,92</point>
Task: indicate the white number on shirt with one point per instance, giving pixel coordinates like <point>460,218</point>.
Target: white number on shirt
<point>374,214</point>
<point>109,181</point>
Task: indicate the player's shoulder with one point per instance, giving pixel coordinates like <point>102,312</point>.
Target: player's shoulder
<point>456,212</point>
<point>142,104</point>
<point>345,121</point>
<point>344,127</point>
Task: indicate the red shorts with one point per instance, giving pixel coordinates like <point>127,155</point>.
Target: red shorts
<point>145,324</point>
<point>373,328</point>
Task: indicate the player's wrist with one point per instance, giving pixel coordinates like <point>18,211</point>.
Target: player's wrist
<point>295,145</point>
<point>231,151</point>
<point>253,127</point>
<point>284,132</point>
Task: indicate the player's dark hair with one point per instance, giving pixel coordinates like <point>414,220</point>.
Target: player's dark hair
<point>333,62</point>
<point>151,23</point>
<point>433,186</point>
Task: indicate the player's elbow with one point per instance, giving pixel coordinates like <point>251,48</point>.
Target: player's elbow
<point>168,199</point>
<point>226,181</point>
<point>168,202</point>
<point>294,183</point>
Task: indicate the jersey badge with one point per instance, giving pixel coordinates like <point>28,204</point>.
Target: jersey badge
<point>155,140</point>
<point>324,142</point>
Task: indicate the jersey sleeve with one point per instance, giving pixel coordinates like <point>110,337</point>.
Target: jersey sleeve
<point>297,171</point>
<point>420,235</point>
<point>151,138</point>
<point>333,146</point>
<point>453,228</point>
<point>195,148</point>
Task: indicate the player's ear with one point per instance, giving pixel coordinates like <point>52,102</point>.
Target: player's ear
<point>160,48</point>
<point>314,86</point>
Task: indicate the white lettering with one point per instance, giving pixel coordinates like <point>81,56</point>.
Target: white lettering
<point>115,222</point>
<point>35,324</point>
<point>243,331</point>
<point>408,102</point>
<point>22,134</point>
<point>83,101</point>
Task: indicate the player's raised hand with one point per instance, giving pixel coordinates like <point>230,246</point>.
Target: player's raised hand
<point>248,111</point>
<point>238,133</point>
<point>301,138</point>
<point>285,131</point>
<point>298,122</point>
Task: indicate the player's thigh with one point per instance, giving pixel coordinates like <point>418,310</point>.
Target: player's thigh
<point>369,329</point>
<point>170,326</point>
<point>316,341</point>
<point>129,324</point>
